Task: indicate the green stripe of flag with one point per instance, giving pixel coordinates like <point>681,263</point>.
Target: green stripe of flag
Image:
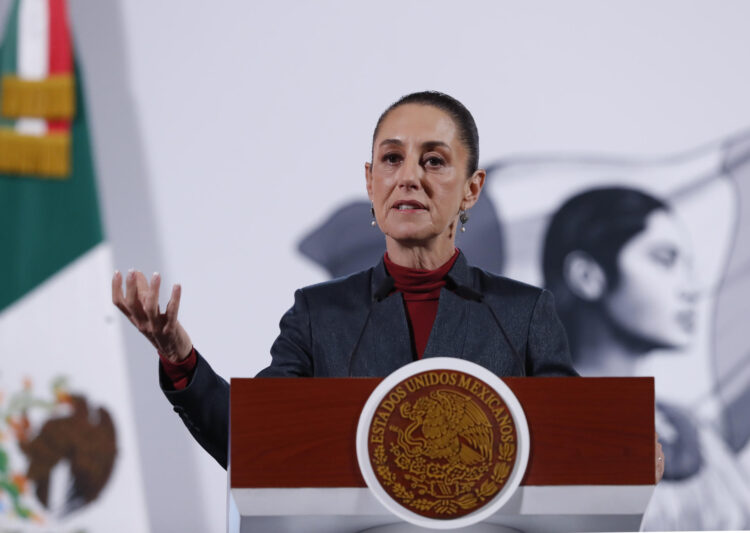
<point>9,51</point>
<point>9,56</point>
<point>44,223</point>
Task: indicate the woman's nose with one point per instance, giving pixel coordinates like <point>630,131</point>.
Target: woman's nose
<point>410,176</point>
<point>690,290</point>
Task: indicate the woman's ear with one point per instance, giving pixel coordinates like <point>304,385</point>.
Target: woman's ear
<point>368,179</point>
<point>584,276</point>
<point>473,188</point>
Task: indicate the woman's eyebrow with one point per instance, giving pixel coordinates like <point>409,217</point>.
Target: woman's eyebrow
<point>429,145</point>
<point>391,141</point>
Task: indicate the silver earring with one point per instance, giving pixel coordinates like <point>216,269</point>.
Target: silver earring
<point>464,218</point>
<point>372,214</point>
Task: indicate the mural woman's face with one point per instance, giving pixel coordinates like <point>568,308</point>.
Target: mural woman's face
<point>655,298</point>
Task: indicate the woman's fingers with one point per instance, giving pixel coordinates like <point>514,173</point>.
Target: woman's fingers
<point>141,285</point>
<point>117,296</point>
<point>172,308</point>
<point>140,304</point>
<point>133,301</point>
<point>659,458</point>
<point>130,291</point>
<point>152,300</point>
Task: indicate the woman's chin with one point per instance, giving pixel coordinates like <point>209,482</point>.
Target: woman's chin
<point>672,341</point>
<point>410,236</point>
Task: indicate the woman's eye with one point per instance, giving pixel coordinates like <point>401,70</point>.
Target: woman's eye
<point>434,161</point>
<point>665,256</point>
<point>391,158</point>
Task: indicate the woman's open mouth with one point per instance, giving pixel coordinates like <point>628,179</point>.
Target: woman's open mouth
<point>409,206</point>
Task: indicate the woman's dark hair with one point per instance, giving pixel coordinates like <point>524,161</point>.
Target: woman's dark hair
<point>467,128</point>
<point>599,222</point>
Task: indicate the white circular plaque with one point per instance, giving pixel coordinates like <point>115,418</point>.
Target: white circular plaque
<point>444,420</point>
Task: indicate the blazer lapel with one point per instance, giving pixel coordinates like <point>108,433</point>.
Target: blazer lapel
<point>385,343</point>
<point>448,334</point>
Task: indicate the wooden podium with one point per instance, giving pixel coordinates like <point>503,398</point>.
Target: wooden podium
<point>293,464</point>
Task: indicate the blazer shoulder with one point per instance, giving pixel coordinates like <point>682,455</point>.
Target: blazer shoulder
<point>350,289</point>
<point>509,290</point>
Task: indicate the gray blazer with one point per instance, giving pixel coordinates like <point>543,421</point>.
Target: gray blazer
<point>356,326</point>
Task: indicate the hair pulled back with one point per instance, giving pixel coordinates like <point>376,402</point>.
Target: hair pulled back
<point>467,128</point>
<point>599,222</point>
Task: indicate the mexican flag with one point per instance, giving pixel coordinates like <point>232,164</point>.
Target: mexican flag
<point>68,455</point>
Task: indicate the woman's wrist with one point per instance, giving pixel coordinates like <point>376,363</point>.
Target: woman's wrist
<point>179,349</point>
<point>176,356</point>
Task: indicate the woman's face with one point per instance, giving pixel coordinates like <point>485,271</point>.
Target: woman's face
<point>417,180</point>
<point>655,298</point>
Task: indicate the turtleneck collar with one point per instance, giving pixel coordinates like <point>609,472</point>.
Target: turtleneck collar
<point>415,281</point>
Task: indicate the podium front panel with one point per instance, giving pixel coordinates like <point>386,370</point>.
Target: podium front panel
<point>293,463</point>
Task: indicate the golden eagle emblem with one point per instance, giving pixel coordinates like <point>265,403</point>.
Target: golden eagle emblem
<point>442,447</point>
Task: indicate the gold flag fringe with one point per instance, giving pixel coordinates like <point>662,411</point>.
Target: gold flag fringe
<point>47,156</point>
<point>52,98</point>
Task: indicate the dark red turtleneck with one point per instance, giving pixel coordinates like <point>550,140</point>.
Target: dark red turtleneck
<point>421,292</point>
<point>180,373</point>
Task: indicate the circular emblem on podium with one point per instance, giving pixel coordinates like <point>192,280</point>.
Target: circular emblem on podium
<point>442,443</point>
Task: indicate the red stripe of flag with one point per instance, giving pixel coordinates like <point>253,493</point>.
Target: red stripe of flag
<point>60,51</point>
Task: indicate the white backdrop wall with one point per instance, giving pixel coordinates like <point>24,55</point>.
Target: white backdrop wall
<point>226,130</point>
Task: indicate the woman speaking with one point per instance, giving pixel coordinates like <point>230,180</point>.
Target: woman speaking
<point>422,299</point>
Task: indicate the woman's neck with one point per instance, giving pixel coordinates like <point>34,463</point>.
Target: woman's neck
<point>423,257</point>
<point>602,349</point>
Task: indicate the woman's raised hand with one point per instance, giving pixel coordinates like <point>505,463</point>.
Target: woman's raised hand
<point>659,458</point>
<point>140,304</point>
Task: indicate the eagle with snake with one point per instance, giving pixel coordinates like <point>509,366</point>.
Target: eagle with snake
<point>453,429</point>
